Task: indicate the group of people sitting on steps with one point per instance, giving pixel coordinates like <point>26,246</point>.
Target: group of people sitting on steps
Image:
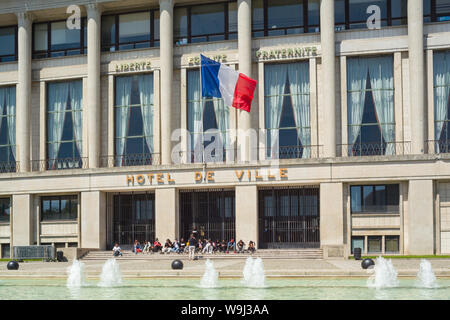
<point>194,245</point>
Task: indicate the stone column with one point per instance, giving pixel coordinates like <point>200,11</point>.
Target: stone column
<point>327,41</point>
<point>22,221</point>
<point>419,219</point>
<point>23,92</point>
<point>245,67</point>
<point>166,60</point>
<point>93,104</point>
<point>416,76</point>
<point>247,214</point>
<point>166,214</point>
<point>93,220</point>
<point>332,219</point>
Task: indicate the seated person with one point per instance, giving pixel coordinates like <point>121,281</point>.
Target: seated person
<point>175,246</point>
<point>167,246</point>
<point>147,247</point>
<point>199,245</point>
<point>117,251</point>
<point>182,246</point>
<point>251,247</point>
<point>223,246</point>
<point>208,247</point>
<point>231,246</point>
<point>137,247</point>
<point>240,246</point>
<point>157,245</point>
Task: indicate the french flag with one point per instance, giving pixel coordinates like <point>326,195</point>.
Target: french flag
<point>221,81</point>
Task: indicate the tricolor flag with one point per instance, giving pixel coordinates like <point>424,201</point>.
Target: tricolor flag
<point>221,81</point>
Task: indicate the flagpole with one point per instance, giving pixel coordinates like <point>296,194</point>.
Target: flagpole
<point>201,106</point>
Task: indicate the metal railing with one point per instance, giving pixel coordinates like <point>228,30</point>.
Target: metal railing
<point>9,166</point>
<point>59,164</point>
<point>294,152</point>
<point>130,160</point>
<point>374,149</point>
<point>437,146</point>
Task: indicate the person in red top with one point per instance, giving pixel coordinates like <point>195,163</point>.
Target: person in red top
<point>157,245</point>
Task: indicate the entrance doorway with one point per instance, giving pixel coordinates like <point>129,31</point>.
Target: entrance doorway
<point>212,212</point>
<point>133,218</point>
<point>289,217</point>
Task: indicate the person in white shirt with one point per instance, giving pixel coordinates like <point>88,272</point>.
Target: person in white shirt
<point>117,251</point>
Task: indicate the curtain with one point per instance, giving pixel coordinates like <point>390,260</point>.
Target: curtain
<point>76,101</point>
<point>298,74</point>
<point>357,69</point>
<point>274,84</point>
<point>146,97</point>
<point>123,101</point>
<point>11,112</point>
<point>2,103</point>
<point>195,114</point>
<point>58,95</point>
<point>223,124</point>
<point>382,83</point>
<point>441,67</point>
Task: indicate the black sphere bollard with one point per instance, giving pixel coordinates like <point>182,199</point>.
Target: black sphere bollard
<point>13,265</point>
<point>367,263</point>
<point>177,264</point>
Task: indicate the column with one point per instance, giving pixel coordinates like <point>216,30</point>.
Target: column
<point>247,214</point>
<point>419,220</point>
<point>23,131</point>
<point>93,220</point>
<point>166,214</point>
<point>22,222</point>
<point>328,48</point>
<point>332,219</point>
<point>416,76</point>
<point>245,67</point>
<point>93,103</point>
<point>166,60</point>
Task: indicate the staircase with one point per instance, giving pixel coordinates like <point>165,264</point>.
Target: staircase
<point>261,253</point>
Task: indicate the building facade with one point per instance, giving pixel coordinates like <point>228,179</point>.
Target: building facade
<point>105,135</point>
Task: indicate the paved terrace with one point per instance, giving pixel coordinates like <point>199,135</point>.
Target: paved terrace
<point>227,268</point>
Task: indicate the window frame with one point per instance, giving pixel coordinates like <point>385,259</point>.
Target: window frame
<point>385,205</point>
<point>36,54</point>
<point>11,164</point>
<point>113,47</point>
<point>16,45</point>
<point>445,123</point>
<point>3,208</point>
<point>59,198</point>
<point>434,16</point>
<point>189,37</point>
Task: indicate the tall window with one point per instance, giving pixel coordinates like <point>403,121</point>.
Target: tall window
<point>375,198</point>
<point>441,67</point>
<point>64,125</point>
<point>206,22</point>
<point>59,208</point>
<point>54,39</point>
<point>370,109</point>
<point>436,10</point>
<point>207,118</point>
<point>8,39</point>
<point>280,17</point>
<point>5,209</point>
<point>287,110</point>
<point>130,31</point>
<point>7,129</point>
<point>134,120</point>
<point>352,14</point>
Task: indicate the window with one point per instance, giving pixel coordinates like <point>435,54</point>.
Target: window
<point>281,17</point>
<point>206,22</point>
<point>54,39</point>
<point>59,208</point>
<point>208,119</point>
<point>287,110</point>
<point>436,10</point>
<point>7,129</point>
<point>64,125</point>
<point>5,209</point>
<point>6,250</point>
<point>374,244</point>
<point>357,242</point>
<point>134,120</point>
<point>375,198</point>
<point>130,31</point>
<point>391,244</point>
<point>441,69</point>
<point>8,39</point>
<point>352,14</point>
<point>370,109</point>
